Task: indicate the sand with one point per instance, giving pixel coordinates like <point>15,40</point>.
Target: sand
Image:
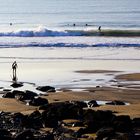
<point>131,96</point>
<point>96,71</point>
<point>105,94</point>
<point>12,105</point>
<point>129,77</point>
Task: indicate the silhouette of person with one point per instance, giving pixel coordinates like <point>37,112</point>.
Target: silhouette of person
<point>99,28</point>
<point>14,67</point>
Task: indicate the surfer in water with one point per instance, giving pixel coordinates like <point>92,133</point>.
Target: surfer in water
<point>99,28</point>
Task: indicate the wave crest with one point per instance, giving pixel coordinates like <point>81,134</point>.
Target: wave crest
<point>44,32</point>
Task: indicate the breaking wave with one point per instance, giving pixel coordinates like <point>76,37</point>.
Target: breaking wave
<point>44,32</point>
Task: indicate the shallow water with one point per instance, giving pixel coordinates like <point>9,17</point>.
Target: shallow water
<point>48,48</point>
<point>55,67</point>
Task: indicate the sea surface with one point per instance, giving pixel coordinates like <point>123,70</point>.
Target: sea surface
<point>69,23</point>
<point>51,38</point>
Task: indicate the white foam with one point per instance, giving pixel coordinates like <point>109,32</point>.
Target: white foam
<point>66,41</point>
<point>40,31</point>
<point>43,31</point>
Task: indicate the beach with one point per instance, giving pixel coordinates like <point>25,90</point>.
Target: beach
<point>124,88</point>
<point>74,78</point>
<point>69,70</point>
<point>127,91</point>
<point>110,84</point>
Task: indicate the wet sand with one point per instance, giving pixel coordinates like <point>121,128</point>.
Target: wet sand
<point>129,77</point>
<point>105,94</point>
<point>96,71</point>
<point>128,95</point>
<point>12,105</point>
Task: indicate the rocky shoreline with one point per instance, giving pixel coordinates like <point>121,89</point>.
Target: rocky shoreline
<point>63,115</point>
<point>67,120</point>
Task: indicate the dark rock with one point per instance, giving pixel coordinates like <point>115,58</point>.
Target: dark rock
<point>65,137</point>
<point>92,103</point>
<point>64,110</point>
<point>30,93</point>
<point>122,136</point>
<point>38,101</point>
<point>95,120</point>
<point>86,137</point>
<point>115,102</point>
<point>49,121</point>
<point>16,119</point>
<point>36,113</point>
<point>134,137</point>
<point>16,84</point>
<point>6,138</point>
<point>4,132</point>
<point>62,130</point>
<point>24,135</point>
<point>18,115</point>
<point>48,136</point>
<point>79,133</point>
<point>136,122</point>
<point>11,120</point>
<point>120,85</point>
<point>89,121</point>
<point>16,92</point>
<point>79,103</point>
<point>5,135</point>
<point>4,114</point>
<point>12,94</point>
<point>8,95</point>
<point>113,80</point>
<point>122,123</point>
<point>46,88</point>
<point>105,132</point>
<point>60,111</point>
<point>27,95</point>
<point>64,133</point>
<point>25,123</point>
<point>34,120</point>
<point>7,90</point>
<point>51,90</point>
<point>78,124</point>
<point>72,123</point>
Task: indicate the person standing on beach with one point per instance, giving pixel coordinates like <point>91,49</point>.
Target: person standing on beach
<point>14,67</point>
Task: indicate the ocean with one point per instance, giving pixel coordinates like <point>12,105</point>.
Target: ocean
<point>69,23</point>
<point>58,36</point>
